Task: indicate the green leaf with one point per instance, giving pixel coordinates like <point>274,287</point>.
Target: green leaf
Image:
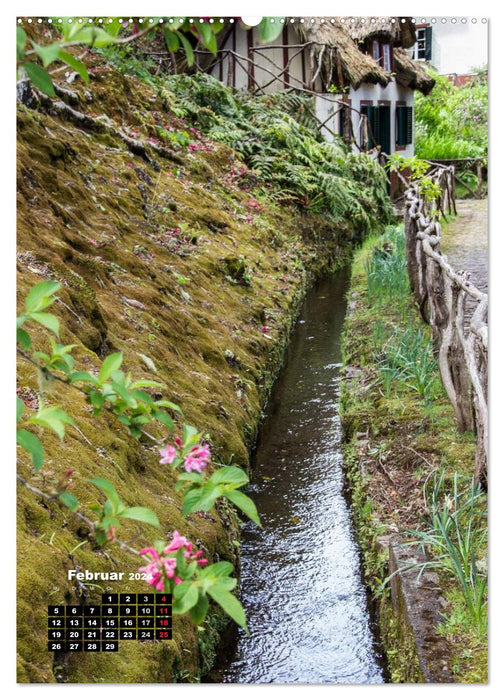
<point>200,499</point>
<point>41,296</point>
<point>211,44</point>
<point>205,31</point>
<point>47,320</point>
<point>100,537</point>
<point>97,400</point>
<point>146,383</point>
<point>53,418</point>
<point>171,40</point>
<point>268,30</point>
<point>164,418</point>
<point>83,377</point>
<point>113,28</point>
<point>198,612</point>
<point>170,405</point>
<point>48,53</point>
<point>32,444</point>
<point>191,476</point>
<point>110,364</point>
<point>143,515</point>
<point>69,500</point>
<point>108,489</point>
<point>190,435</point>
<point>74,63</point>
<point>229,604</point>
<point>216,571</point>
<point>19,408</point>
<point>23,338</point>
<point>187,48</point>
<point>229,475</point>
<point>90,36</point>
<point>188,600</point>
<point>20,43</point>
<point>40,78</point>
<point>245,504</point>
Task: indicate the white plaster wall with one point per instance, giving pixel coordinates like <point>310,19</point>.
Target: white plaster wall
<point>326,108</point>
<point>459,48</point>
<point>391,92</point>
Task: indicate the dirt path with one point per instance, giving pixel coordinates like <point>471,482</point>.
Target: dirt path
<point>464,241</point>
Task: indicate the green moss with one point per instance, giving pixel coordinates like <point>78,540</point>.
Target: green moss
<point>103,222</point>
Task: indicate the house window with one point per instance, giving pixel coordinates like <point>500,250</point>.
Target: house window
<point>377,133</point>
<point>404,125</point>
<point>382,54</point>
<point>387,62</point>
<point>422,51</point>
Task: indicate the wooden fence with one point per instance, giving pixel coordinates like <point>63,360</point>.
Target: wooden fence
<point>462,167</point>
<point>441,293</point>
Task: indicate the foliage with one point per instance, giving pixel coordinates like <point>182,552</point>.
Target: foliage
<point>278,138</point>
<point>405,356</point>
<point>417,170</point>
<point>455,534</point>
<point>114,391</point>
<point>179,33</point>
<point>451,122</point>
<point>177,569</point>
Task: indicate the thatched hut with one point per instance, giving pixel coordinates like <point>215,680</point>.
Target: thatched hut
<point>357,68</point>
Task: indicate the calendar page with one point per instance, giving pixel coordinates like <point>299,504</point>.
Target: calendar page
<point>252,349</point>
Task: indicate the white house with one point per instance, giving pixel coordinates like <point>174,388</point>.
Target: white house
<point>358,70</point>
<point>454,46</point>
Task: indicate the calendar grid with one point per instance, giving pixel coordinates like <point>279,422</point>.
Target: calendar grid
<point>100,628</point>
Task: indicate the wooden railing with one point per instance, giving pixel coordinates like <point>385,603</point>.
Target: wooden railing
<point>441,293</point>
<point>464,166</point>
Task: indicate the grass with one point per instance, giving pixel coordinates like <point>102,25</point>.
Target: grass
<point>454,538</point>
<point>406,457</point>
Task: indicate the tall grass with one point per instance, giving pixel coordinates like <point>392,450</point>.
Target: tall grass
<point>385,268</point>
<point>408,358</point>
<point>404,356</point>
<point>455,538</point>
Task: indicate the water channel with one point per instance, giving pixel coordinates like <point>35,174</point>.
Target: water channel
<point>301,581</point>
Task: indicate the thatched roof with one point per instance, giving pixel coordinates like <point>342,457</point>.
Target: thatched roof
<point>345,59</point>
<point>400,31</point>
<point>411,74</point>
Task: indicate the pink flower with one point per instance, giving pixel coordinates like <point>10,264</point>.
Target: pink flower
<point>177,542</point>
<point>264,329</point>
<point>158,569</point>
<point>168,454</point>
<point>197,458</point>
<point>161,567</point>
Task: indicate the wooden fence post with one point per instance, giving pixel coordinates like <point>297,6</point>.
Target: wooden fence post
<point>441,295</point>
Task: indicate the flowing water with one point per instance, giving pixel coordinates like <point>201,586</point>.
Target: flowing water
<point>301,582</point>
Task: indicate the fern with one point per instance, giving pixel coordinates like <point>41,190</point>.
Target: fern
<point>277,136</point>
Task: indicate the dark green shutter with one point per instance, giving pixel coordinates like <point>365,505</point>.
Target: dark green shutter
<point>384,128</point>
<point>375,125</point>
<point>400,126</point>
<point>409,124</point>
<point>428,43</point>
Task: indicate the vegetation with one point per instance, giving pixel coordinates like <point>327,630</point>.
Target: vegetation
<point>452,122</point>
<point>410,469</point>
<point>150,242</point>
<point>179,34</point>
<point>277,137</point>
<point>455,539</point>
